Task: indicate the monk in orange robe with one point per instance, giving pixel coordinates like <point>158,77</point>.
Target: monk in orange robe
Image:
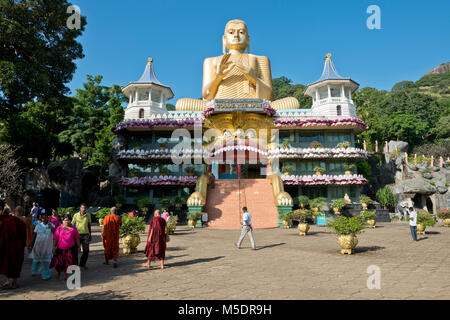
<point>110,236</point>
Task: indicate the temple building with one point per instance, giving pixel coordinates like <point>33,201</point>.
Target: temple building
<point>262,153</point>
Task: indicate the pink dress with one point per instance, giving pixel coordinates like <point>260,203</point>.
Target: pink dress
<point>56,221</point>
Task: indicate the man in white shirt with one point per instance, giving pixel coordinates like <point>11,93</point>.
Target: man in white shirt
<point>246,228</point>
<point>413,223</point>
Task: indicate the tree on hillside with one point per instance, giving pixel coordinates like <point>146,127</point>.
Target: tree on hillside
<point>101,156</point>
<point>283,88</point>
<point>38,52</point>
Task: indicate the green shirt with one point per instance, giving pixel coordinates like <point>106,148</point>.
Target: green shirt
<point>81,222</point>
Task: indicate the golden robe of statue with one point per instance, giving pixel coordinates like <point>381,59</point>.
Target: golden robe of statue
<point>236,74</point>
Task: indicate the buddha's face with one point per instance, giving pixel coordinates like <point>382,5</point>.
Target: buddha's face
<point>236,36</point>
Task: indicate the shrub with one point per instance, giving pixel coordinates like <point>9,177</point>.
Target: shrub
<point>364,168</point>
<point>318,202</point>
<point>119,200</point>
<point>286,144</point>
<point>338,203</point>
<point>365,199</point>
<point>102,213</point>
<point>368,215</point>
<point>194,216</point>
<point>303,200</point>
<point>165,203</point>
<point>385,197</point>
<point>444,214</point>
<point>300,215</point>
<point>345,226</point>
<point>287,168</point>
<point>425,219</point>
<point>131,225</point>
<point>172,222</point>
<point>319,169</point>
<point>344,145</point>
<point>62,211</point>
<point>315,145</point>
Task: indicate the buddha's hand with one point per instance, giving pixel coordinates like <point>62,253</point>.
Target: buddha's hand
<point>224,66</point>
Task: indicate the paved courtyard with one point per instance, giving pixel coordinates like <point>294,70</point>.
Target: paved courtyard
<point>203,264</point>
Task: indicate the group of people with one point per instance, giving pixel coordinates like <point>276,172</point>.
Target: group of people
<point>53,242</point>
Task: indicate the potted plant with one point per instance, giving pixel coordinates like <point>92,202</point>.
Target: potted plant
<point>101,214</point>
<point>315,145</point>
<point>424,220</point>
<point>62,211</point>
<point>343,145</point>
<point>286,144</point>
<point>369,217</point>
<point>365,201</point>
<point>385,197</point>
<point>179,201</point>
<point>165,203</point>
<point>193,217</point>
<point>349,168</point>
<point>316,204</point>
<point>444,214</point>
<point>303,201</point>
<point>286,218</point>
<point>163,171</point>
<point>189,171</point>
<point>287,170</point>
<point>143,204</point>
<point>319,170</point>
<point>338,205</point>
<point>172,224</point>
<point>301,215</point>
<point>119,200</point>
<point>129,232</point>
<point>346,229</point>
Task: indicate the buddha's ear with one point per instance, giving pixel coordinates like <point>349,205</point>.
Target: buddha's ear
<point>224,45</point>
<point>248,44</point>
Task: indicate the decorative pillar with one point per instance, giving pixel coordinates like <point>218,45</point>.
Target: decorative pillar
<point>350,94</point>
<point>317,96</point>
<point>376,145</point>
<point>342,92</point>
<point>136,96</point>
<point>329,91</point>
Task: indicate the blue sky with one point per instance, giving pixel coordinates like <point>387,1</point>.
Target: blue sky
<point>294,34</point>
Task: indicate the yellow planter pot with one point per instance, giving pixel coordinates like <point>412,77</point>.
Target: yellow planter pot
<point>446,222</point>
<point>303,229</point>
<point>318,173</point>
<point>348,243</point>
<point>371,223</point>
<point>100,222</point>
<point>336,211</point>
<point>286,224</point>
<point>364,206</point>
<point>348,173</point>
<point>421,229</point>
<point>130,243</point>
<point>192,223</point>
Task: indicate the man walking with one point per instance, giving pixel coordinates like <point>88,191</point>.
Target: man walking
<point>82,221</point>
<point>413,223</point>
<point>246,228</point>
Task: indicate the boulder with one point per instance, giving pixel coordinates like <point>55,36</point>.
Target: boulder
<point>412,186</point>
<point>401,146</point>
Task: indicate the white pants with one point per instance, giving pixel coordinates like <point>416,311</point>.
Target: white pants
<point>244,231</point>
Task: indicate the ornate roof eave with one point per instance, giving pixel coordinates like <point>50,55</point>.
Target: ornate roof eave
<point>143,85</point>
<point>352,84</point>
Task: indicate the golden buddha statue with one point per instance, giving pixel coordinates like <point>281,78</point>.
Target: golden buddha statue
<point>236,74</point>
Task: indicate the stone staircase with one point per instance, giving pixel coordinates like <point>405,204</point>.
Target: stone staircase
<point>224,203</point>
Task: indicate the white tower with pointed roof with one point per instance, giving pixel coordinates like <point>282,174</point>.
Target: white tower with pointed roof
<point>147,95</point>
<point>332,93</point>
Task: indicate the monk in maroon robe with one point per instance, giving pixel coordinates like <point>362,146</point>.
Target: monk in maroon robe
<point>13,238</point>
<point>156,241</point>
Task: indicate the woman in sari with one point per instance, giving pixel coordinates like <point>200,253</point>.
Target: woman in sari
<point>66,246</point>
<point>41,248</point>
<point>156,241</point>
<point>55,219</point>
